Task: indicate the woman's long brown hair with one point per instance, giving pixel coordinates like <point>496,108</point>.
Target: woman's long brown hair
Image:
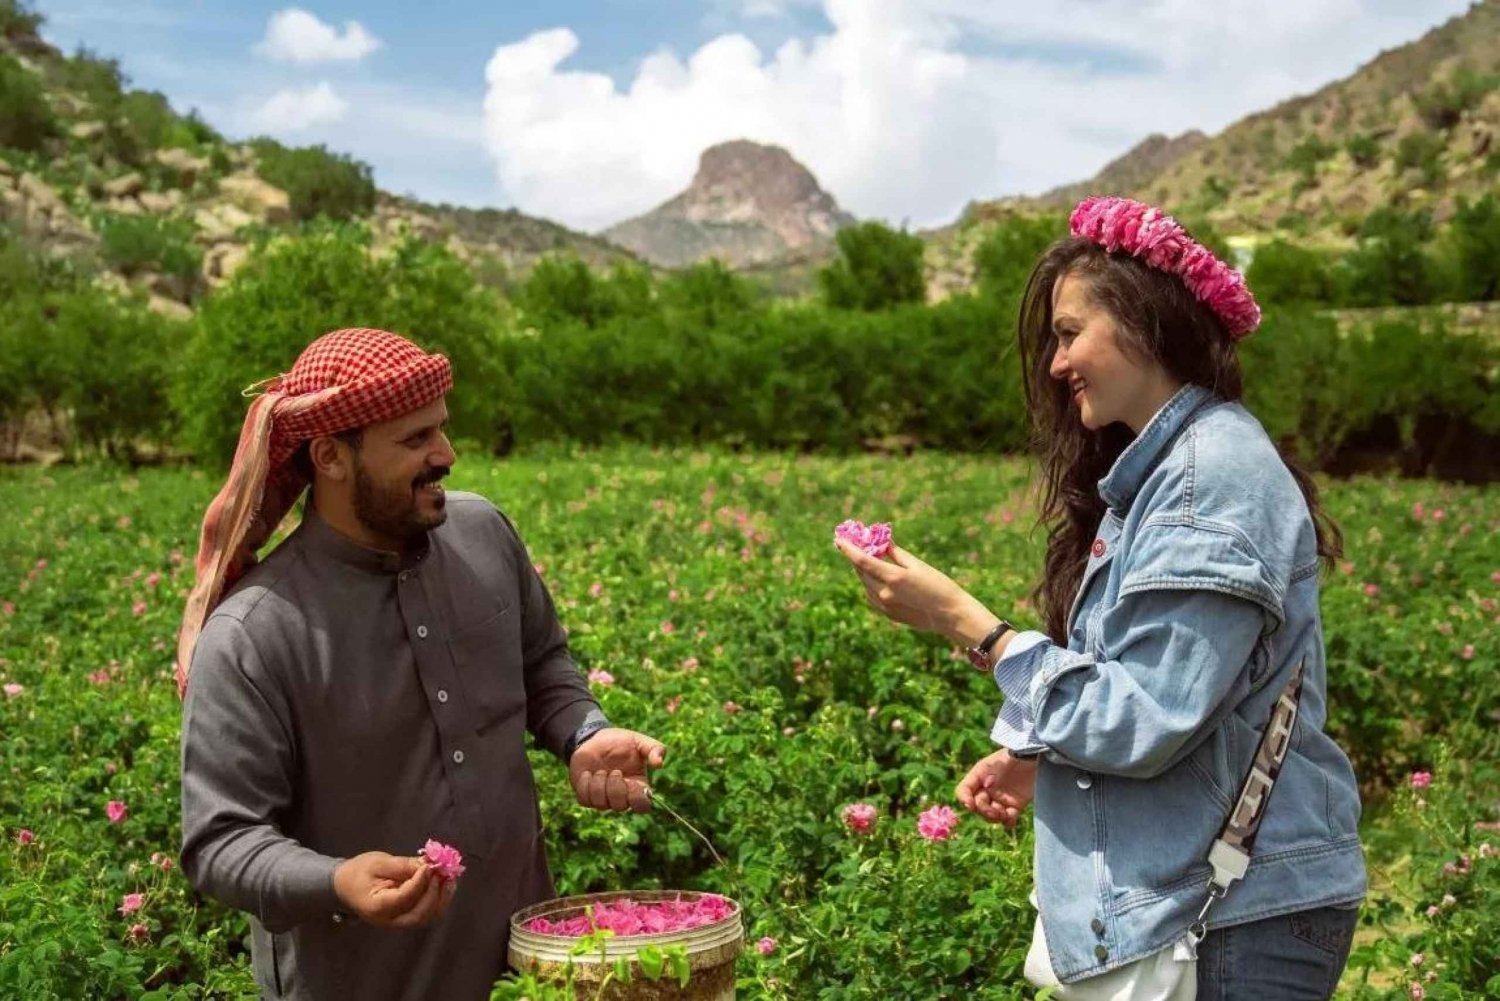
<point>1158,319</point>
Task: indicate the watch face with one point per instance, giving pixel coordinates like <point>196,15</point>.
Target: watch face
<point>977,658</point>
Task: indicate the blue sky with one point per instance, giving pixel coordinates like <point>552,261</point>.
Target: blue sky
<point>589,111</point>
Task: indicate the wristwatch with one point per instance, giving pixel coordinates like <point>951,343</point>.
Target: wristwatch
<point>979,655</point>
<point>592,724</point>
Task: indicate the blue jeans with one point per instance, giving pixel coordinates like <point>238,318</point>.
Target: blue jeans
<point>1293,957</point>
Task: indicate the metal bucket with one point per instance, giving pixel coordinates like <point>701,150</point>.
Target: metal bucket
<point>711,951</point>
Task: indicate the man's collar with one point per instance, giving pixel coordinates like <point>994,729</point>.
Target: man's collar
<point>1124,479</point>
<point>323,539</point>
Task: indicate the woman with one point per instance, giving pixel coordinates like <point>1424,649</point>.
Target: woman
<point>1180,597</point>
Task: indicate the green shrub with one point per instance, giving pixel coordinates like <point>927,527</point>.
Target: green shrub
<point>562,288</point>
<point>294,289</point>
<point>1283,273</point>
<point>1470,248</point>
<point>1364,150</point>
<point>318,182</point>
<point>135,243</point>
<point>1305,157</point>
<point>1422,152</point>
<point>1390,265</point>
<point>26,119</point>
<point>18,20</point>
<point>877,268</point>
<point>1443,103</point>
<point>1004,258</point>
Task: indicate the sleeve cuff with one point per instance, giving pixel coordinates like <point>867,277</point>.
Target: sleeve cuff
<point>1013,731</point>
<point>1013,671</point>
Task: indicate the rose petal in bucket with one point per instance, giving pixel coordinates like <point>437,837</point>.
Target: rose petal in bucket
<point>873,539</point>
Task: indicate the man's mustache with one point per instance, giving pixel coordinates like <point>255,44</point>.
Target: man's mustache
<point>431,476</point>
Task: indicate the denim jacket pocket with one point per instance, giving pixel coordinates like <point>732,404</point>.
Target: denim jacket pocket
<point>488,659</point>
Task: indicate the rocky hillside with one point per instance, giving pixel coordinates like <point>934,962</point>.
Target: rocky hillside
<point>162,204</point>
<point>1417,125</point>
<point>748,205</point>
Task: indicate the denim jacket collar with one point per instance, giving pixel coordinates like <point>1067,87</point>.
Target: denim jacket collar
<point>1124,479</point>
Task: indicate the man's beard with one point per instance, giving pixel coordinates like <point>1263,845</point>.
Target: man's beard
<point>391,512</point>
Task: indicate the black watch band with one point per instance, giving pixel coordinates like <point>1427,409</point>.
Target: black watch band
<point>979,655</point>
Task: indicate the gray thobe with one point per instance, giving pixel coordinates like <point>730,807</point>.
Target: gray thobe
<point>344,700</point>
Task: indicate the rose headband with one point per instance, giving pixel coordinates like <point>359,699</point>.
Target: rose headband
<point>1121,225</point>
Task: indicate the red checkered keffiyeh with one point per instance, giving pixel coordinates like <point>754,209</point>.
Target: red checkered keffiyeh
<point>344,380</point>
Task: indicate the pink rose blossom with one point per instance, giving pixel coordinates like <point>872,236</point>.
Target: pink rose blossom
<point>1467,653</point>
<point>667,628</point>
<point>13,690</point>
<point>1439,514</point>
<point>1432,910</point>
<point>1421,780</point>
<point>8,607</point>
<point>937,823</point>
<point>153,578</point>
<point>596,589</point>
<point>138,608</point>
<point>1417,993</point>
<point>598,677</point>
<point>115,811</point>
<point>445,860</point>
<point>139,932</point>
<point>673,703</point>
<point>766,945</point>
<point>860,817</point>
<point>630,917</point>
<point>731,707</point>
<point>1449,900</point>
<point>1418,511</point>
<point>1417,959</point>
<point>690,664</point>
<point>874,540</point>
<point>131,903</point>
<point>1371,590</point>
<point>25,837</point>
<point>99,677</point>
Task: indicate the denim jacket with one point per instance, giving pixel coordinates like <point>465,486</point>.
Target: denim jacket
<point>1199,599</point>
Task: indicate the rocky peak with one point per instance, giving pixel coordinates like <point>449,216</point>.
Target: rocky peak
<point>748,203</point>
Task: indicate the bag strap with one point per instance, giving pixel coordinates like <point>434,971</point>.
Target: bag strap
<point>1230,854</point>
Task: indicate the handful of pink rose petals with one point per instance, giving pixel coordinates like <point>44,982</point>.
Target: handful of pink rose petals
<point>873,539</point>
<point>444,860</point>
<point>630,917</point>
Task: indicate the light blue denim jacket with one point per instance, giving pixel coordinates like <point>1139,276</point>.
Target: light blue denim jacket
<point>1199,599</point>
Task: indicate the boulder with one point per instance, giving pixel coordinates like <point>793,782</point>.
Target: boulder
<point>160,202</point>
<point>218,223</point>
<point>185,165</point>
<point>124,185</point>
<point>87,130</point>
<point>124,206</point>
<point>222,260</point>
<point>262,200</point>
<point>170,308</point>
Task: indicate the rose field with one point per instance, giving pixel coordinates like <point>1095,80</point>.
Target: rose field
<point>704,597</point>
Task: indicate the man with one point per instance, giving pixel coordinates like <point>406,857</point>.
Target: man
<point>368,686</point>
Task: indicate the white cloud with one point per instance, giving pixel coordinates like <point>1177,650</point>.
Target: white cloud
<point>907,109</point>
<point>297,36</point>
<point>297,108</point>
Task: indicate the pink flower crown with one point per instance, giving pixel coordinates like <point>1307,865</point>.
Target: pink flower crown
<point>1121,225</point>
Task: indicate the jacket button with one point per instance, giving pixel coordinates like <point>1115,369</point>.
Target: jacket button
<point>1097,548</point>
<point>1084,780</point>
<point>1098,926</point>
<point>1101,952</point>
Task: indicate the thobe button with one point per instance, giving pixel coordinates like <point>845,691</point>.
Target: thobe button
<point>422,632</point>
<point>403,575</point>
<point>1085,780</point>
<point>458,757</point>
<point>338,919</point>
<point>1098,926</point>
<point>442,695</point>
<point>1101,952</point>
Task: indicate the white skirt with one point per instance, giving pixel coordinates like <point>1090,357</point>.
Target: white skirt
<point>1168,975</point>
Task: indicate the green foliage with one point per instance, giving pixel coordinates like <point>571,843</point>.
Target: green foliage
<point>293,290</point>
<point>561,289</point>
<point>1004,258</point>
<point>1364,150</point>
<point>134,243</point>
<point>318,182</point>
<point>1283,273</point>
<point>706,295</point>
<point>832,710</point>
<point>877,268</point>
<point>1470,249</point>
<point>26,119</point>
<point>1390,266</point>
<point>18,20</point>
<point>1214,192</point>
<point>1305,157</point>
<point>1444,102</point>
<point>1422,152</point>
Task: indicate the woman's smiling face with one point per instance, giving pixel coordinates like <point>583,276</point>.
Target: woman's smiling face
<point>1106,382</point>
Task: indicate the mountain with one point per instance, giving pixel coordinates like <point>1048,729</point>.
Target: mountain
<point>748,205</point>
<point>162,203</point>
<point>1416,126</point>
